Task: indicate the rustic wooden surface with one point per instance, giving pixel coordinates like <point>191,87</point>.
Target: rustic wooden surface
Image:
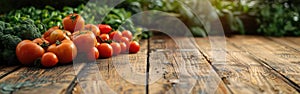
<point>184,68</point>
<point>253,64</point>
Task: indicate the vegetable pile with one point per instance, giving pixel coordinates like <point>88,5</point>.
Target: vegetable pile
<point>77,39</point>
<point>34,24</point>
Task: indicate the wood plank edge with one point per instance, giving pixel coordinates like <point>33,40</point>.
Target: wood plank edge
<point>15,69</point>
<point>274,71</point>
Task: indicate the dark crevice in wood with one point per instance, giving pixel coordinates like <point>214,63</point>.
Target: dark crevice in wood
<point>274,71</point>
<point>17,68</point>
<point>215,69</point>
<point>281,76</point>
<point>74,82</point>
<point>148,66</point>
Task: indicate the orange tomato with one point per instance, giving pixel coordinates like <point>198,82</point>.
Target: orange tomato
<point>66,51</point>
<point>27,52</point>
<point>73,22</point>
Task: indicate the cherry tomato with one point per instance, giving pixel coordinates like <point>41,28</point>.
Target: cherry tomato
<point>104,29</point>
<point>92,28</point>
<point>127,34</point>
<point>104,37</point>
<point>134,47</point>
<point>116,48</point>
<point>66,51</point>
<point>73,22</point>
<point>49,59</point>
<point>123,47</point>
<point>84,41</point>
<point>27,52</point>
<point>116,35</point>
<point>93,54</point>
<point>105,50</point>
<point>125,40</point>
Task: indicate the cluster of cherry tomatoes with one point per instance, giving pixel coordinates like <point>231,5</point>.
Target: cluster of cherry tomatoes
<point>77,39</point>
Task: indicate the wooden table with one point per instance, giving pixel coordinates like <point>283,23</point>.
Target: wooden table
<point>254,65</point>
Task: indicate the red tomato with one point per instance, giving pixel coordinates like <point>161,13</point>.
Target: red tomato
<point>104,29</point>
<point>123,47</point>
<point>105,50</point>
<point>27,52</point>
<point>127,34</point>
<point>93,54</point>
<point>125,40</point>
<point>92,28</point>
<point>134,47</point>
<point>116,35</point>
<point>73,22</point>
<point>49,59</point>
<point>116,48</point>
<point>42,42</point>
<point>104,37</point>
<point>84,41</point>
<point>66,51</point>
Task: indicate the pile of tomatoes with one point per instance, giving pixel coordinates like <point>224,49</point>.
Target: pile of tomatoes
<point>77,39</point>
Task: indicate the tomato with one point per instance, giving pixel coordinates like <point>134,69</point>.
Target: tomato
<point>49,31</point>
<point>66,51</point>
<point>123,47</point>
<point>125,40</point>
<point>116,48</point>
<point>116,35</point>
<point>68,34</point>
<point>105,50</point>
<point>92,28</point>
<point>127,34</point>
<point>57,35</point>
<point>93,54</point>
<point>27,52</point>
<point>84,40</point>
<point>104,37</point>
<point>134,47</point>
<point>42,42</point>
<point>73,22</point>
<point>104,29</point>
<point>49,59</point>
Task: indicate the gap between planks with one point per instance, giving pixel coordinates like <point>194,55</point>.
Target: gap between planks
<point>269,52</point>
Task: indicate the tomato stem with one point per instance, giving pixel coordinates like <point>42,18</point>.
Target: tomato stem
<point>57,42</point>
<point>73,17</point>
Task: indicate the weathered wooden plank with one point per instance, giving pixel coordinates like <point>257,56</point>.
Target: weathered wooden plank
<point>36,80</point>
<point>279,57</point>
<point>293,42</point>
<point>244,75</point>
<point>5,70</point>
<point>185,70</point>
<point>125,73</point>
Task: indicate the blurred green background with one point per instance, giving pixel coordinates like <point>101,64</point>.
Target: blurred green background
<point>259,17</point>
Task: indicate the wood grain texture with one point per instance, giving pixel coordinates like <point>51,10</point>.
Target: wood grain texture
<point>5,70</point>
<point>181,68</point>
<point>36,80</point>
<point>124,73</point>
<point>245,75</point>
<point>277,56</point>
